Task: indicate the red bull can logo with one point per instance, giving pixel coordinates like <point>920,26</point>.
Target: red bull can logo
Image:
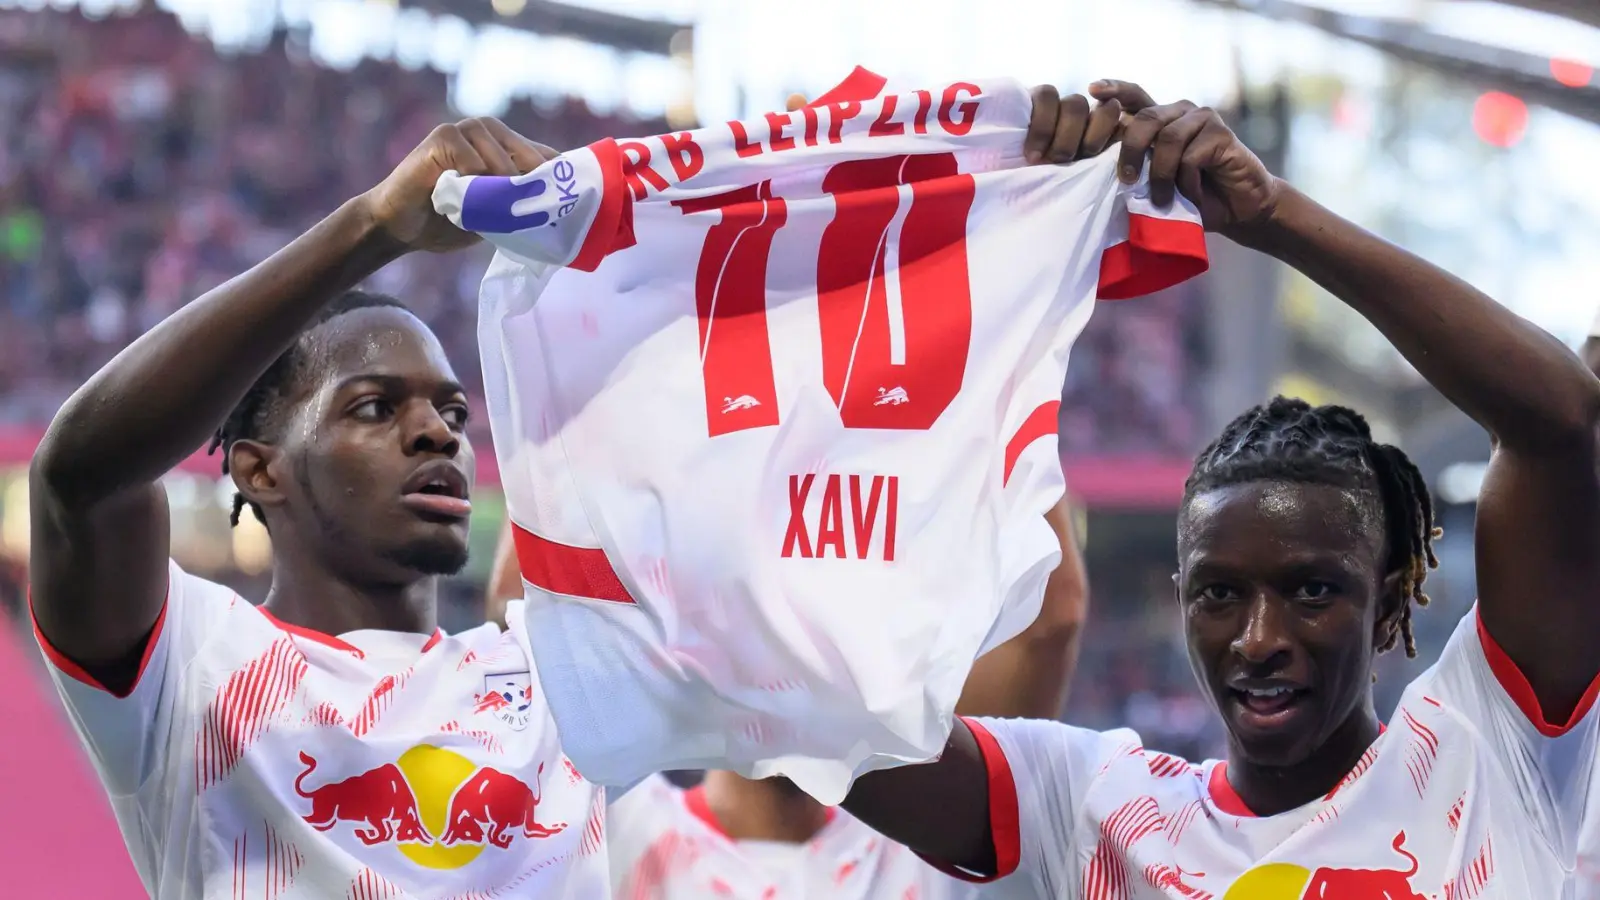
<point>1286,881</point>
<point>438,807</point>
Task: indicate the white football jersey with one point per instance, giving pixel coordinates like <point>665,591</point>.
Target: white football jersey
<point>1469,794</point>
<point>258,759</point>
<point>778,464</point>
<point>666,844</point>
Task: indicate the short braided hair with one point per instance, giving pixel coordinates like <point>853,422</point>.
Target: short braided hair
<point>1291,440</point>
<point>258,411</point>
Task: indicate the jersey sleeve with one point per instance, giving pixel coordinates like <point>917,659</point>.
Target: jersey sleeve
<point>637,838</point>
<point>1148,248</point>
<point>127,735</point>
<point>572,211</point>
<point>1039,775</point>
<point>1551,763</point>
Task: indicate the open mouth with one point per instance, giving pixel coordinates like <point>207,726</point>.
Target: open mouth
<point>438,492</point>
<point>1266,706</point>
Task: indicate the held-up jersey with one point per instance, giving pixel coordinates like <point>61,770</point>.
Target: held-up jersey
<point>666,844</point>
<point>775,408</point>
<point>1468,794</point>
<point>255,759</point>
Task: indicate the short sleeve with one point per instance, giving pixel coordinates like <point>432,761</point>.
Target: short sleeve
<point>1039,774</point>
<point>1550,763</point>
<point>1149,248</point>
<point>127,735</point>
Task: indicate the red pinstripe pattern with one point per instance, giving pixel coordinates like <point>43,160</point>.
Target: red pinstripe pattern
<point>378,702</point>
<point>1163,765</point>
<point>244,708</point>
<point>667,856</point>
<point>1453,819</point>
<point>241,865</point>
<point>282,864</point>
<point>369,885</point>
<point>1105,878</point>
<point>1169,880</point>
<point>1421,752</point>
<point>1179,821</point>
<point>1123,751</point>
<point>1327,815</point>
<point>324,714</point>
<point>1359,769</point>
<point>1474,877</point>
<point>486,740</point>
<point>573,775</point>
<point>594,831</point>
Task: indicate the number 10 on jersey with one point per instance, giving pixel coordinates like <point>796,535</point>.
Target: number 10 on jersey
<point>893,296</point>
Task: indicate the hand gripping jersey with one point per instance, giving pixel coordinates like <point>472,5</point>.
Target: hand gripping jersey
<point>775,407</point>
<point>258,759</point>
<point>666,844</point>
<point>1468,794</point>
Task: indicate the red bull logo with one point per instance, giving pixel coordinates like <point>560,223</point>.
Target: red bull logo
<point>1286,881</point>
<point>439,808</point>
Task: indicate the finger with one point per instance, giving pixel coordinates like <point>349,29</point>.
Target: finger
<point>1202,153</point>
<point>1132,97</point>
<point>1042,123</point>
<point>796,101</point>
<point>1171,144</point>
<point>1072,117</point>
<point>494,156</point>
<point>525,154</point>
<point>463,157</point>
<point>1105,126</point>
<point>1140,134</point>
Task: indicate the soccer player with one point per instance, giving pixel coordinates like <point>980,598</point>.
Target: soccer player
<point>741,838</point>
<point>332,742</point>
<point>1302,549</point>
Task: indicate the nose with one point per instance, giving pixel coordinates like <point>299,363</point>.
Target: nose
<point>1264,636</point>
<point>430,433</point>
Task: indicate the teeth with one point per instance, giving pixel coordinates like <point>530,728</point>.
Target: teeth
<point>1267,692</point>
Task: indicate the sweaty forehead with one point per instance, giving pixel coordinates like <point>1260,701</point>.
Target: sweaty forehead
<point>1280,518</point>
<point>379,341</point>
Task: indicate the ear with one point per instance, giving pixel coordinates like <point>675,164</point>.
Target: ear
<point>1391,603</point>
<point>255,467</point>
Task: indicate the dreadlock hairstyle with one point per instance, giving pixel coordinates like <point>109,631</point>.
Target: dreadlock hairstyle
<point>1290,440</point>
<point>263,404</point>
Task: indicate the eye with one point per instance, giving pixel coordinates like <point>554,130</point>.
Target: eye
<point>1218,593</point>
<point>455,416</point>
<point>372,409</point>
<point>1315,592</point>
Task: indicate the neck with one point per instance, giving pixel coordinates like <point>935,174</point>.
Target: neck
<point>304,593</point>
<point>767,810</point>
<point>1269,790</point>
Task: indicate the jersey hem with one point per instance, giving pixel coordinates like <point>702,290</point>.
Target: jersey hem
<point>1158,254</point>
<point>66,666</point>
<point>1004,820</point>
<point>1516,685</point>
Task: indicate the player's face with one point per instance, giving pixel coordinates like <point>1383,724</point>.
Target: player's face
<point>382,466</point>
<point>1282,588</point>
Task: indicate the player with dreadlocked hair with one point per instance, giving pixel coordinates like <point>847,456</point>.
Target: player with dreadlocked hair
<point>1292,440</point>
<point>262,407</point>
<point>1302,548</point>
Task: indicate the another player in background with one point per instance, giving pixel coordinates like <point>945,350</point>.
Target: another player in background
<point>765,839</point>
<point>1302,549</point>
<point>333,742</point>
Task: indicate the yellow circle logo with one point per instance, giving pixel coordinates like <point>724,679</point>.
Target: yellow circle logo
<point>1274,881</point>
<point>434,775</point>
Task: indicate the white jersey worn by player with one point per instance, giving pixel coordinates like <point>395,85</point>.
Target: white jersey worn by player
<point>1469,794</point>
<point>258,759</point>
<point>666,844</point>
<point>778,466</point>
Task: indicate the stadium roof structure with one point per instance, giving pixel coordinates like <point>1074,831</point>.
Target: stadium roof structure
<point>1524,74</point>
<point>549,18</point>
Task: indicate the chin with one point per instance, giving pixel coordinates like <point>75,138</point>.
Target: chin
<point>437,556</point>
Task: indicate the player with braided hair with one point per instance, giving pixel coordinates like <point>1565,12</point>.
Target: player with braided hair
<point>1302,549</point>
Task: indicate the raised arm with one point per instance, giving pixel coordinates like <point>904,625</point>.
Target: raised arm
<point>1028,676</point>
<point>99,514</point>
<point>1539,509</point>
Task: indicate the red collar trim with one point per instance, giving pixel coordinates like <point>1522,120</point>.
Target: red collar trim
<point>329,640</point>
<point>1225,798</point>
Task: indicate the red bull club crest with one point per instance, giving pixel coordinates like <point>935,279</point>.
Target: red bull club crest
<point>440,808</point>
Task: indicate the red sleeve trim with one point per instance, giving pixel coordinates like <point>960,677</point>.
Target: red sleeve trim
<point>1042,422</point>
<point>860,84</point>
<point>1515,684</point>
<point>1005,825</point>
<point>606,234</point>
<point>564,569</point>
<point>1158,254</point>
<point>78,673</point>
